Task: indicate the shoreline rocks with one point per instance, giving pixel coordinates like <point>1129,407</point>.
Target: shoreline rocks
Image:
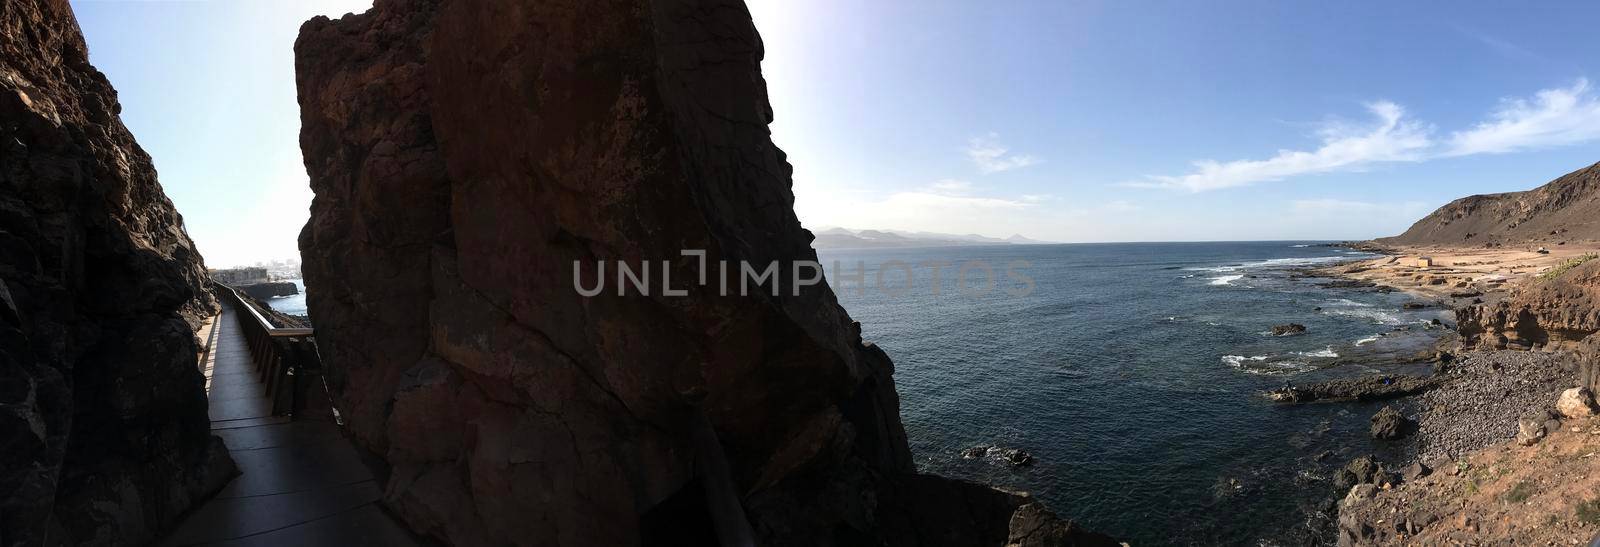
<point>1290,329</point>
<point>1369,388</point>
<point>1389,424</point>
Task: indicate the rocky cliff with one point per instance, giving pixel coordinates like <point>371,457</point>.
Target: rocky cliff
<point>104,438</point>
<point>1553,311</point>
<point>469,160</point>
<point>1566,209</point>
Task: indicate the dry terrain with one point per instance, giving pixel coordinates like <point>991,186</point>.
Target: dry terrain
<point>1458,271</point>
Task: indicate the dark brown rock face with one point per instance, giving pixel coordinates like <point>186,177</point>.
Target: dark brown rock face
<point>468,158</point>
<point>1566,209</point>
<point>1554,313</point>
<point>104,438</point>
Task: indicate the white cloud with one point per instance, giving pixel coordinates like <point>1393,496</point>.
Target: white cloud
<point>993,157</point>
<point>951,187</point>
<point>1552,117</point>
<point>1394,138</point>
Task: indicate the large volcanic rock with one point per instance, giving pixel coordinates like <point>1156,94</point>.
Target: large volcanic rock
<point>104,438</point>
<point>467,158</point>
<point>1566,209</point>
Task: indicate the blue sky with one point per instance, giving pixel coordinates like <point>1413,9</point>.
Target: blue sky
<point>1066,121</point>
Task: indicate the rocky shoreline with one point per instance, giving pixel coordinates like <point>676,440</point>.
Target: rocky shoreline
<point>1475,404</point>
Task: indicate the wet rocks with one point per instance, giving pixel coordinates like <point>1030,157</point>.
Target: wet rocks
<point>1576,403</point>
<point>1290,329</point>
<point>976,452</point>
<point>1348,284</point>
<point>104,434</point>
<point>1012,456</point>
<point>1388,424</point>
<point>1369,388</point>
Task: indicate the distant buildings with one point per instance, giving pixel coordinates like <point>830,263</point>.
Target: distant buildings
<point>240,276</point>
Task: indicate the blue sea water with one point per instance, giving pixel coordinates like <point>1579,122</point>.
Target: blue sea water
<point>294,304</point>
<point>1132,373</point>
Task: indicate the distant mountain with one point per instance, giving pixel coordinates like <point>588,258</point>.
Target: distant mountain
<point>1566,209</point>
<point>844,238</point>
<point>1018,239</point>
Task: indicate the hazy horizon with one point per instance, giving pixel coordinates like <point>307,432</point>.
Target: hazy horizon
<point>1095,122</point>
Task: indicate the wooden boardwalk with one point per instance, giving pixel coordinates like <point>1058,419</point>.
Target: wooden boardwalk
<point>300,482</point>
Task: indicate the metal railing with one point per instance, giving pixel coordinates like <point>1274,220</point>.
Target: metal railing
<point>286,359</point>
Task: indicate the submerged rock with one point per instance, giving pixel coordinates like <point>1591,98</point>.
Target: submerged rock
<point>1013,456</point>
<point>104,434</point>
<point>1288,330</point>
<point>476,164</point>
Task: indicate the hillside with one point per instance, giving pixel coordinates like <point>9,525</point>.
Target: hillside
<point>1565,210</point>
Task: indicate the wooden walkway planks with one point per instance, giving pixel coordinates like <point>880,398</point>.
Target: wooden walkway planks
<point>300,482</point>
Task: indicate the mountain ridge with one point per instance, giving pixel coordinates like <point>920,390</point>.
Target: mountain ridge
<point>1566,209</point>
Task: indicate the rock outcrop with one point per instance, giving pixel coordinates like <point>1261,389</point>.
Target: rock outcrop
<point>270,289</point>
<point>1389,424</point>
<point>104,438</point>
<point>1366,388</point>
<point>1566,209</point>
<point>473,163</point>
<point>1551,312</point>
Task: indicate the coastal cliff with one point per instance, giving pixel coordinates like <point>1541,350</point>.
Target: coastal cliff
<point>1502,451</point>
<point>1556,310</point>
<point>102,404</point>
<point>1564,210</point>
<point>469,160</point>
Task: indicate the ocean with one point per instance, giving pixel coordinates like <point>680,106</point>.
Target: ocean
<point>294,304</point>
<point>1132,374</point>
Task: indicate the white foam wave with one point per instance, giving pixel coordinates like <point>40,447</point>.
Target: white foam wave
<point>1273,263</point>
<point>1301,246</point>
<point>1260,364</point>
<point>1326,353</point>
<point>1376,316</point>
<point>1226,279</point>
<point>1367,340</point>
<point>1238,360</point>
<point>1348,302</point>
